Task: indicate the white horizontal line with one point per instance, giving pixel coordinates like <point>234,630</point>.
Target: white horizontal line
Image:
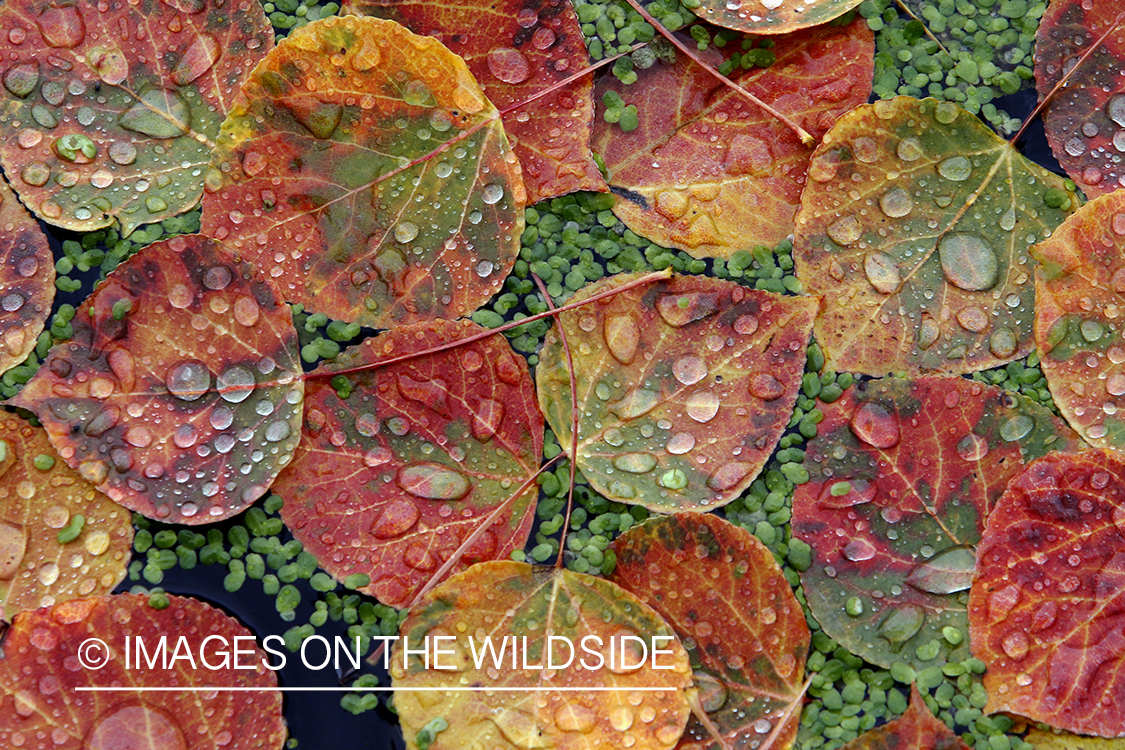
<point>362,689</point>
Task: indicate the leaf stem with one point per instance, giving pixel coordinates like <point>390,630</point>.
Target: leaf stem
<point>571,79</point>
<point>1066,77</point>
<point>468,542</point>
<point>648,278</point>
<point>701,716</point>
<point>574,414</point>
<point>804,135</point>
<point>786,715</point>
<point>906,9</point>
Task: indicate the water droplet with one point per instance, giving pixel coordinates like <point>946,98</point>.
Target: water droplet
<point>235,384</point>
<point>635,403</point>
<point>972,447</point>
<point>188,380</point>
<point>122,152</point>
<point>635,463</point>
<point>1008,220</point>
<point>689,369</point>
<point>702,406</point>
<point>766,387</point>
<point>396,519</point>
<point>1016,428</point>
<point>896,203</point>
<point>1115,384</point>
<point>968,262</point>
<point>902,624</point>
<point>949,571</point>
<point>1115,108</point>
<point>111,65</point>
<point>509,65</point>
<point>1091,330</point>
<point>973,319</point>
<point>13,546</point>
<point>746,324</point>
<point>159,113</point>
<point>62,26</point>
<point>1015,644</point>
<point>21,80</point>
<point>36,174</point>
<point>160,729</point>
<point>678,310</point>
<point>276,431</point>
<point>1003,343</point>
<point>910,149</point>
<point>680,443</point>
<point>433,482</point>
<point>728,476</point>
<point>622,338</point>
<point>488,414</point>
<point>217,278</point>
<point>956,168</point>
<point>492,193</point>
<point>845,231</point>
<point>860,549</point>
<point>882,271</point>
<point>197,59</point>
<point>574,717</point>
<point>875,425</point>
<point>185,436</point>
<point>405,231</point>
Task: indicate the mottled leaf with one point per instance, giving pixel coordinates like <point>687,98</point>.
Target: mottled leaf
<point>771,16</point>
<point>41,669</point>
<point>529,606</point>
<point>59,538</point>
<point>916,227</point>
<point>180,394</point>
<point>708,171</point>
<point>109,111</point>
<point>723,593</point>
<point>917,729</point>
<point>1081,291</point>
<point>1048,599</point>
<point>904,474</point>
<point>365,169</point>
<point>1054,740</point>
<point>684,387</point>
<point>1085,119</point>
<point>27,280</point>
<point>415,459</point>
<point>517,49</point>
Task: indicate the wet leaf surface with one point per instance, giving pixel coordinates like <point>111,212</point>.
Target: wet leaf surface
<point>708,171</point>
<point>27,280</point>
<point>1085,120</point>
<point>1048,597</point>
<point>508,599</point>
<point>916,225</point>
<point>59,538</point>
<point>1080,289</point>
<point>40,673</point>
<point>99,124</point>
<point>417,457</point>
<point>383,225</point>
<point>1052,740</point>
<point>771,16</point>
<point>724,595</point>
<point>904,474</point>
<point>917,729</point>
<point>180,394</point>
<point>515,50</point>
<point>684,387</point>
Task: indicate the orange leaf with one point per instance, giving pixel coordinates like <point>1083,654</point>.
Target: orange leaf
<point>917,729</point>
<point>27,280</point>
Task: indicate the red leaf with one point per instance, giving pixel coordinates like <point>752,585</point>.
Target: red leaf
<point>41,670</point>
<point>415,459</point>
<point>516,49</point>
<point>27,280</point>
<point>180,394</point>
<point>709,172</point>
<point>917,729</point>
<point>1049,595</point>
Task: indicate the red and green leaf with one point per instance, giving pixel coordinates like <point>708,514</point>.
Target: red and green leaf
<point>111,110</point>
<point>59,538</point>
<point>533,607</point>
<point>724,595</point>
<point>771,16</point>
<point>1080,293</point>
<point>417,457</point>
<point>917,729</point>
<point>516,50</point>
<point>41,672</point>
<point>916,227</point>
<point>365,168</point>
<point>180,393</point>
<point>1049,594</point>
<point>1085,119</point>
<point>27,280</point>
<point>685,387</point>
<point>708,171</point>
<point>904,474</point>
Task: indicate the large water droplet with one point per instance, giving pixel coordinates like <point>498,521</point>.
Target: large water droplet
<point>702,406</point>
<point>896,203</point>
<point>62,26</point>
<point>947,572</point>
<point>677,310</point>
<point>1016,428</point>
<point>910,149</point>
<point>159,113</point>
<point>235,384</point>
<point>396,519</point>
<point>859,549</point>
<point>1015,644</point>
<point>21,80</point>
<point>635,463</point>
<point>158,730</point>
<point>680,443</point>
<point>956,168</point>
<point>13,546</point>
<point>875,425</point>
<point>188,380</point>
<point>433,481</point>
<point>492,193</point>
<point>405,231</point>
<point>487,416</point>
<point>845,231</point>
<point>902,623</point>
<point>968,262</point>
<point>1115,108</point>
<point>622,338</point>
<point>882,271</point>
<point>197,59</point>
<point>689,369</point>
<point>509,65</point>
<point>635,403</point>
<point>972,447</point>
